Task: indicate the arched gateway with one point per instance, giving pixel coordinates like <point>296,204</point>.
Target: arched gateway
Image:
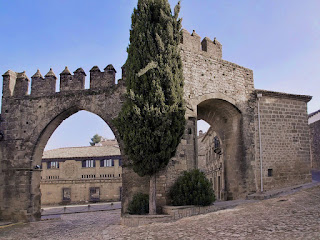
<point>217,91</point>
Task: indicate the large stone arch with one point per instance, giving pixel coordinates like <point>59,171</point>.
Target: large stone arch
<point>226,120</point>
<point>30,120</point>
<point>41,141</point>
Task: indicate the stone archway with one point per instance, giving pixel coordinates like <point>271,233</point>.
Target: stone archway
<point>29,121</point>
<point>225,120</point>
<point>38,153</point>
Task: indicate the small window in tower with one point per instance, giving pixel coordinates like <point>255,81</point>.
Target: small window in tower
<point>270,172</point>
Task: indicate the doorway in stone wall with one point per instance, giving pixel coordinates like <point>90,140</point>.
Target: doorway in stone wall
<point>77,174</point>
<point>220,147</point>
<point>211,157</point>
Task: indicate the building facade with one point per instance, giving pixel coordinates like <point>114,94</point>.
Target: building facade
<point>211,162</point>
<point>314,124</point>
<point>81,174</point>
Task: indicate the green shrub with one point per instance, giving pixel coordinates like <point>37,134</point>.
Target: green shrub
<point>192,188</point>
<point>139,204</point>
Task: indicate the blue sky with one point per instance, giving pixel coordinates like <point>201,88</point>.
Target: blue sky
<point>277,39</point>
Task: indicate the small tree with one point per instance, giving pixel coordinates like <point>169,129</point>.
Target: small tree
<point>96,139</point>
<point>192,188</point>
<point>152,119</point>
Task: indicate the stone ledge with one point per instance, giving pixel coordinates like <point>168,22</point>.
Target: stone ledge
<point>171,214</point>
<point>139,220</point>
<point>304,98</point>
<point>178,212</point>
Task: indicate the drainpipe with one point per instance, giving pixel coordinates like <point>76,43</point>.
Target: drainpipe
<point>259,96</point>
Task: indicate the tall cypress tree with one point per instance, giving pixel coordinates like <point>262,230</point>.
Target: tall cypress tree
<point>152,119</point>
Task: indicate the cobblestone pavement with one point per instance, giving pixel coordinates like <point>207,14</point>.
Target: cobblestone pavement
<point>295,216</point>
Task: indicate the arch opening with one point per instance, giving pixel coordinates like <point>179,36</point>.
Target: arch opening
<point>220,148</point>
<point>75,173</point>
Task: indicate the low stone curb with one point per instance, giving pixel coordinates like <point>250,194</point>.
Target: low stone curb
<point>171,214</point>
<point>140,220</point>
<point>283,191</point>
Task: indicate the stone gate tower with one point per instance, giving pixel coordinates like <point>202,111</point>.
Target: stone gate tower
<point>217,91</point>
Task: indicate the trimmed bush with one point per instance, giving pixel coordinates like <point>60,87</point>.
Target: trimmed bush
<point>139,204</point>
<point>192,188</point>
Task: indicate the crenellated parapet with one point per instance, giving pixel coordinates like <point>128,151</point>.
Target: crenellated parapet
<point>192,42</point>
<point>17,84</point>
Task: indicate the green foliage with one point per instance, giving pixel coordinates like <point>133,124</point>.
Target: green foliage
<point>96,139</point>
<point>152,119</point>
<point>139,204</point>
<point>192,188</point>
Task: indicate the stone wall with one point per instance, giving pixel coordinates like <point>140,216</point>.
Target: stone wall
<point>315,144</point>
<point>52,190</point>
<point>285,140</point>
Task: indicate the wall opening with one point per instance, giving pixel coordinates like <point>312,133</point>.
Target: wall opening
<point>220,147</point>
<point>73,171</point>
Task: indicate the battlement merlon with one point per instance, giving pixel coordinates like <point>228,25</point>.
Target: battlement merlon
<point>43,86</point>
<point>192,42</point>
<point>69,82</point>
<point>100,80</point>
<point>9,83</point>
<point>15,84</point>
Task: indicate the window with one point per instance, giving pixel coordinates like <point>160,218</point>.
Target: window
<point>88,176</point>
<point>216,142</point>
<point>217,147</point>
<point>52,164</point>
<point>88,163</point>
<point>107,163</point>
<point>270,172</point>
<point>66,194</point>
<point>120,162</point>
